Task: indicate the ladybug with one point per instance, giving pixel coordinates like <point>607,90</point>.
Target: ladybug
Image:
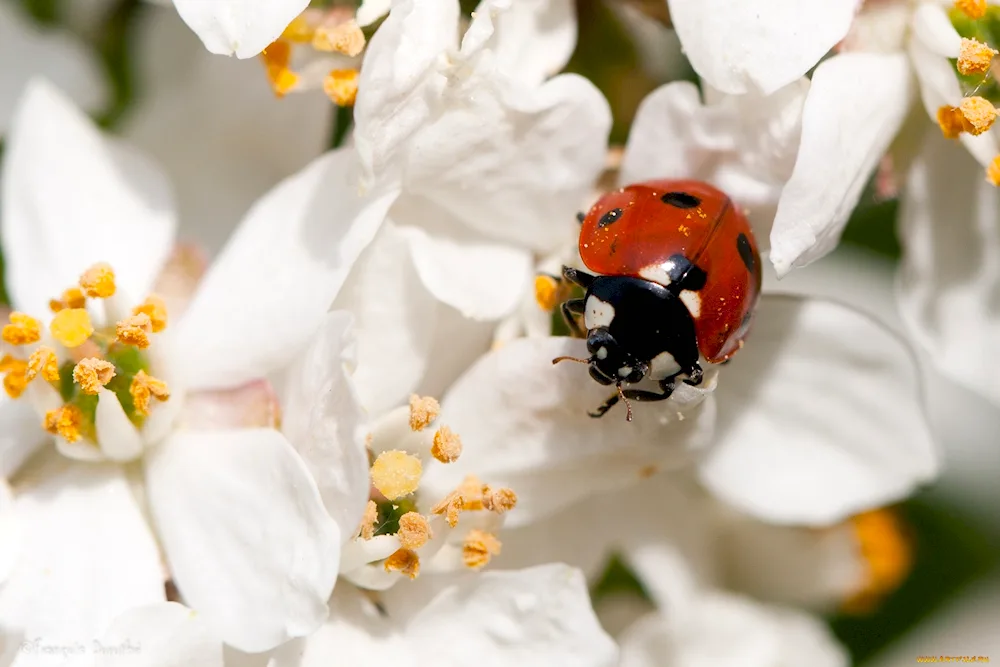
<point>676,278</point>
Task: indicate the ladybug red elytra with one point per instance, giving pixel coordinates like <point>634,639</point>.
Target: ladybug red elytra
<point>676,279</point>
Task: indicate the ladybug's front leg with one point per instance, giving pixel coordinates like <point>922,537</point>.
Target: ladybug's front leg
<point>694,375</point>
<point>570,309</point>
<point>578,277</point>
<point>667,387</point>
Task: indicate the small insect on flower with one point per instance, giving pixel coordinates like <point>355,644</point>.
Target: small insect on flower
<point>678,277</point>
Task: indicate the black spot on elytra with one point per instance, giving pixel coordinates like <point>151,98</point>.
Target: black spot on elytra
<point>746,253</point>
<point>680,199</point>
<point>581,216</point>
<point>609,217</point>
<point>685,275</point>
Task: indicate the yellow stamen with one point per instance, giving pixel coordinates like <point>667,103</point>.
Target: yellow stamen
<point>43,361</point>
<point>368,521</point>
<point>471,490</point>
<point>414,530</point>
<point>65,421</point>
<point>404,561</point>
<point>346,38</point>
<point>888,555</point>
<point>71,298</point>
<point>156,309</point>
<point>974,57</point>
<point>22,330</point>
<point>134,330</point>
<point>423,410</point>
<point>396,474</point>
<point>499,501</point>
<point>950,121</point>
<point>92,374</point>
<point>978,114</point>
<point>341,86</point>
<point>300,30</point>
<point>16,380</point>
<point>450,508</point>
<point>71,327</point>
<point>993,171</point>
<point>974,9</point>
<point>447,446</point>
<point>478,548</point>
<point>143,388</point>
<point>276,58</point>
<point>547,291</point>
<point>98,281</point>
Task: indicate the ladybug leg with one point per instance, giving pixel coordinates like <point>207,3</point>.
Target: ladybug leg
<point>605,406</point>
<point>570,309</point>
<point>694,375</point>
<point>578,277</point>
<point>666,386</point>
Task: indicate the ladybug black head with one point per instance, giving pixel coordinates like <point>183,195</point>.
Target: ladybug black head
<point>611,363</point>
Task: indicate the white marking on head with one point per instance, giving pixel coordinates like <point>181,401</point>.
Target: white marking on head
<point>658,273</point>
<point>624,371</point>
<point>693,302</point>
<point>602,353</point>
<point>598,314</point>
<point>662,366</point>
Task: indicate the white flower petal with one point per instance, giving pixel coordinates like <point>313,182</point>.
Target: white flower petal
<point>215,126</point>
<point>933,28</point>
<point>758,47</point>
<point>820,417</point>
<point>537,616</point>
<point>326,423</point>
<point>856,105</point>
<point>524,424</point>
<point>399,81</point>
<point>395,319</point>
<point>271,287</point>
<point>167,634</point>
<point>20,433</point>
<point>484,280</point>
<point>242,28</point>
<point>117,436</point>
<point>54,54</point>
<point>88,512</point>
<point>113,204</point>
<point>371,10</point>
<point>10,533</point>
<point>948,290</point>
<point>245,534</point>
<point>535,38</point>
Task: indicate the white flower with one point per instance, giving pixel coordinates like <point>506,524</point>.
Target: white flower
<point>242,28</point>
<point>493,159</point>
<point>27,50</point>
<point>238,514</point>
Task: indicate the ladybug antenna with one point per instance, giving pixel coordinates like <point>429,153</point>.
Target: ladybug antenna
<point>628,406</point>
<point>580,361</point>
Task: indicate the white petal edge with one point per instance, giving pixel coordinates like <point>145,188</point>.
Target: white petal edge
<point>161,635</point>
<point>821,417</point>
<point>113,204</point>
<point>117,436</point>
<point>856,104</point>
<point>270,288</point>
<point>242,28</point>
<point>758,47</point>
<point>20,433</point>
<point>535,38</point>
<point>245,534</point>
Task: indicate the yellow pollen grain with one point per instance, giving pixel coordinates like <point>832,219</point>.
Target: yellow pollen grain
<point>499,501</point>
<point>341,86</point>
<point>22,330</point>
<point>134,330</point>
<point>447,446</point>
<point>993,171</point>
<point>547,292</point>
<point>65,421</point>
<point>974,57</point>
<point>404,561</point>
<point>978,114</point>
<point>423,410</point>
<point>950,121</point>
<point>71,298</point>
<point>367,528</point>
<point>98,281</point>
<point>277,57</point>
<point>145,387</point>
<point>16,380</point>
<point>346,38</point>
<point>414,530</point>
<point>396,474</point>
<point>156,310</point>
<point>43,361</point>
<point>450,507</point>
<point>478,548</point>
<point>71,327</point>
<point>92,374</point>
<point>974,9</point>
<point>888,555</point>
